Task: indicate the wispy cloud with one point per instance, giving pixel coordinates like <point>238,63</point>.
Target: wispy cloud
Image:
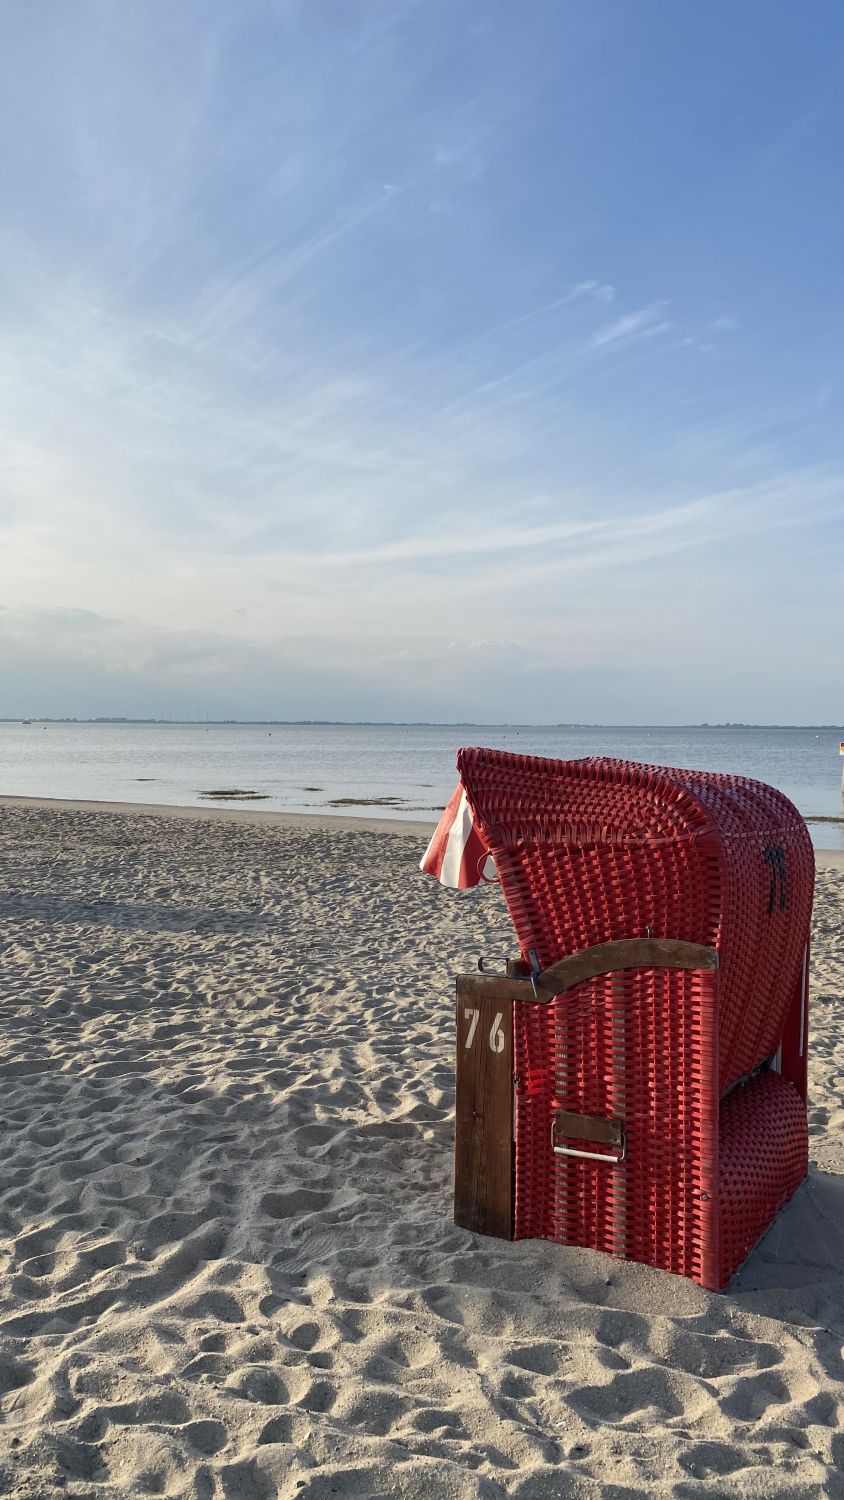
<point>602,291</point>
<point>646,320</point>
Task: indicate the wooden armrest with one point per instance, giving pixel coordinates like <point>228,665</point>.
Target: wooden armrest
<point>603,958</point>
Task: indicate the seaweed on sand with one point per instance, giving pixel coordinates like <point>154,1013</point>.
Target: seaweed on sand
<point>235,794</point>
<point>365,802</point>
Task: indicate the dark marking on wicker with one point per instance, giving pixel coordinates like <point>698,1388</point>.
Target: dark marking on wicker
<point>483,1136</point>
<point>774,856</point>
<point>604,958</point>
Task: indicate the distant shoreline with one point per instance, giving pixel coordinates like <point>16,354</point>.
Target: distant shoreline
<point>23,719</point>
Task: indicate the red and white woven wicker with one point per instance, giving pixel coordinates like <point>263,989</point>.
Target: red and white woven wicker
<point>704,1070</point>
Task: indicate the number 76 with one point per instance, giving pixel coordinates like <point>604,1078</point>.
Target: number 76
<point>496,1035</point>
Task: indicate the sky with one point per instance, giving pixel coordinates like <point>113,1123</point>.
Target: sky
<point>422,360</point>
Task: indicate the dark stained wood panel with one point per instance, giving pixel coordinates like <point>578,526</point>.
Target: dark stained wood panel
<point>576,1127</point>
<point>483,1141</point>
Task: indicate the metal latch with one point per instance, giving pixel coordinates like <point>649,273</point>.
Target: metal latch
<point>595,1128</point>
<point>535,972</point>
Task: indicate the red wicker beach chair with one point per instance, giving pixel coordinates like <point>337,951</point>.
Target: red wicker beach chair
<point>636,1083</point>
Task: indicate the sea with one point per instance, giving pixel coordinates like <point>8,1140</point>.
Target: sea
<point>403,771</point>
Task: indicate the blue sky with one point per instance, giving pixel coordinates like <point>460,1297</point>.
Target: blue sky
<point>422,360</point>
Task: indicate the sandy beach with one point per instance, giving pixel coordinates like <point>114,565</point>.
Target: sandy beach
<point>229,1267</point>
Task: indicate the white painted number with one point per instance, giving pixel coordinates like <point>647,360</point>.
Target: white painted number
<point>496,1035</point>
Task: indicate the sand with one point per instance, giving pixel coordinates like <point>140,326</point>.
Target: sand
<point>228,1262</point>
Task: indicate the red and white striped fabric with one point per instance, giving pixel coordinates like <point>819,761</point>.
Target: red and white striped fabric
<point>458,855</point>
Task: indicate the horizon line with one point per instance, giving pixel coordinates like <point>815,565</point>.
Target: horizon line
<point>23,719</point>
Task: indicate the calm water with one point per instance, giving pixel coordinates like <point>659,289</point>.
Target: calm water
<point>305,768</point>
